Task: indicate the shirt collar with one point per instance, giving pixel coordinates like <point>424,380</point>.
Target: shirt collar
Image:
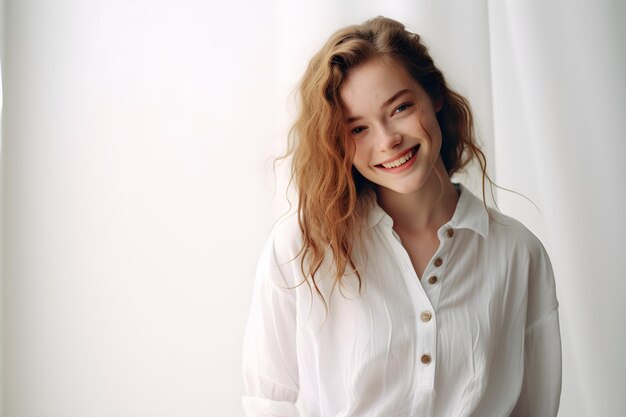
<point>470,213</point>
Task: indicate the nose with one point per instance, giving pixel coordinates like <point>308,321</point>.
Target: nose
<point>388,139</point>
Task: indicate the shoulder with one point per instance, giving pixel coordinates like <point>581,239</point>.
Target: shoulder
<point>511,234</point>
<point>286,237</point>
<point>280,259</point>
<point>527,256</point>
<point>528,260</point>
<point>504,237</point>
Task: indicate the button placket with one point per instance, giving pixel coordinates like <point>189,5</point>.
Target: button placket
<point>426,346</point>
<point>427,342</point>
<point>427,322</point>
<point>426,349</point>
<point>436,269</point>
<point>434,273</point>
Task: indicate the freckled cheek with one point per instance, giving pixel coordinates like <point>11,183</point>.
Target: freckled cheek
<point>429,127</point>
<point>432,119</point>
<point>415,125</point>
<point>412,126</point>
<point>361,157</point>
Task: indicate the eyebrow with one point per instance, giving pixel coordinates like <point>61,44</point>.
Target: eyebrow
<point>385,104</point>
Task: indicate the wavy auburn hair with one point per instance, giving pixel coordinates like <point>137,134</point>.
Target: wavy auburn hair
<point>332,194</point>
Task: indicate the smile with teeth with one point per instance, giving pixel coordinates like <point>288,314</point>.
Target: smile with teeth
<point>400,161</point>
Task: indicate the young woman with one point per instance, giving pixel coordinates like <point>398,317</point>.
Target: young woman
<point>394,291</point>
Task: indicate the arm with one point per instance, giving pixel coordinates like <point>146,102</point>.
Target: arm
<point>541,387</point>
<point>270,368</point>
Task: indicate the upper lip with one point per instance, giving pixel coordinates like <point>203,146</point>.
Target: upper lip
<point>398,156</point>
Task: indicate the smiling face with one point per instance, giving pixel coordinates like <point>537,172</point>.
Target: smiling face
<point>393,124</point>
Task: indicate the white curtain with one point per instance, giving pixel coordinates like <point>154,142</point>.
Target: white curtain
<point>559,100</point>
<point>137,141</point>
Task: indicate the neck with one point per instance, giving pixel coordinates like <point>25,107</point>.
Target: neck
<point>424,210</point>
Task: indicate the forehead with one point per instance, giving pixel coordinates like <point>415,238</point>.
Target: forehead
<point>374,82</point>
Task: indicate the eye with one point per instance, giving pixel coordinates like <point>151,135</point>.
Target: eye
<point>357,130</point>
<point>402,107</point>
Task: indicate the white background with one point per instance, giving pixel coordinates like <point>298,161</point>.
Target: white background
<point>137,146</point>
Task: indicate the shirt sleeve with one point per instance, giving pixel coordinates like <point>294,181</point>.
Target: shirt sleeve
<point>541,387</point>
<point>270,369</point>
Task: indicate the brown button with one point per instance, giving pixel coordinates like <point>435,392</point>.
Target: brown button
<point>432,280</point>
<point>426,315</point>
<point>438,262</point>
<point>425,359</point>
<point>450,232</point>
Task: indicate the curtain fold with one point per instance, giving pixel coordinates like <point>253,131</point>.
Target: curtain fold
<point>559,101</point>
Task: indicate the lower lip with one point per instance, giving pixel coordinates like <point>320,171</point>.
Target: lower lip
<point>408,164</point>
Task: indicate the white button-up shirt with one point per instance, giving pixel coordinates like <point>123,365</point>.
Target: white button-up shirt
<point>477,335</point>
